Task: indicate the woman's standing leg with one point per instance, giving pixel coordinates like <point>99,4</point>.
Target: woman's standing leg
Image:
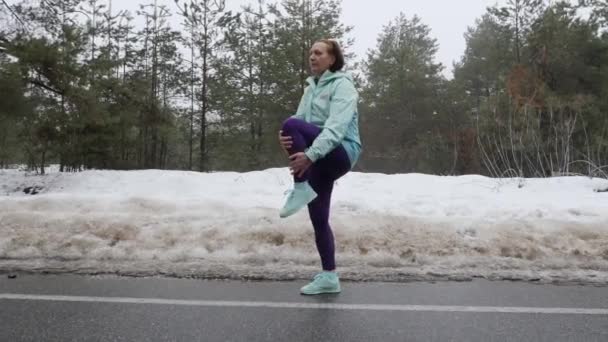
<point>323,174</point>
<point>318,210</point>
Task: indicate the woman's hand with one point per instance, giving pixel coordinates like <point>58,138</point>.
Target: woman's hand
<point>299,164</point>
<point>285,142</point>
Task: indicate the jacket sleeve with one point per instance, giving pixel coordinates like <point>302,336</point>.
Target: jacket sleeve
<point>301,112</point>
<point>342,109</point>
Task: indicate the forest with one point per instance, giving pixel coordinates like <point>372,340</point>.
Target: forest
<point>84,87</point>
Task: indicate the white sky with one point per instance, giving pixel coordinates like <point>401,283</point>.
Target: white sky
<point>448,20</point>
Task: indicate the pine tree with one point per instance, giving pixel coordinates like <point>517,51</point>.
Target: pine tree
<point>400,98</point>
<point>206,17</point>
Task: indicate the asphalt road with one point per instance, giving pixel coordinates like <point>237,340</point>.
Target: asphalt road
<point>84,308</point>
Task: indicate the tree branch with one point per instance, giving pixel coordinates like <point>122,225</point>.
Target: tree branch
<point>44,86</point>
<point>13,12</point>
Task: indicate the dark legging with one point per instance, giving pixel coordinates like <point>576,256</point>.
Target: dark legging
<point>321,177</point>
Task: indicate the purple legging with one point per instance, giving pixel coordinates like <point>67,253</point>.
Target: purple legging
<point>321,177</point>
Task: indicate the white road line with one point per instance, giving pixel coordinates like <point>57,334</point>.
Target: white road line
<point>330,306</point>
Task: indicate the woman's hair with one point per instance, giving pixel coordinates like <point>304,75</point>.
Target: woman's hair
<point>336,51</point>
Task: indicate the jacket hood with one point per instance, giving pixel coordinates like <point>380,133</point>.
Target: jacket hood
<point>329,76</point>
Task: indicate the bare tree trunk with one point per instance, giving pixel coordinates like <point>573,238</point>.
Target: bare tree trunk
<point>305,33</point>
<point>517,27</point>
<point>143,131</point>
<point>205,104</point>
<point>43,161</point>
<point>154,91</point>
<point>191,139</point>
<point>262,85</point>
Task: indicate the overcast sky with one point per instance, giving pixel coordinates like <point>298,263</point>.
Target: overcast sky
<point>448,20</point>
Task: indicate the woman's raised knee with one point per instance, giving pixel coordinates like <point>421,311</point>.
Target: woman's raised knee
<point>292,124</point>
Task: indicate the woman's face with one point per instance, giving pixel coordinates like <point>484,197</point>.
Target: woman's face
<point>320,58</point>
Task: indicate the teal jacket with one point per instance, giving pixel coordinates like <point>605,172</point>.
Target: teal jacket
<point>331,104</point>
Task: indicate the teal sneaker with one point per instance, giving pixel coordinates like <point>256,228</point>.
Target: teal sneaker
<point>324,282</point>
<point>298,198</point>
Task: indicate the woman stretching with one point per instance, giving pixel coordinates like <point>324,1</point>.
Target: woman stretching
<point>323,144</point>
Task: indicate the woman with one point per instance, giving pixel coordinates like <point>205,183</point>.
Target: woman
<point>323,144</point>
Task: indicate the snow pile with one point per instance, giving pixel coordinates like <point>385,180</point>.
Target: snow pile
<point>387,227</point>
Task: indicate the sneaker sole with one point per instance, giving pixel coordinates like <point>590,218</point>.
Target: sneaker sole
<point>321,292</point>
